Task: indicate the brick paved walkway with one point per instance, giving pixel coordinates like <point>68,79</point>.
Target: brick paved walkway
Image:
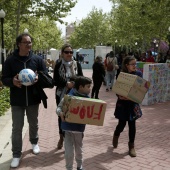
<point>152,140</point>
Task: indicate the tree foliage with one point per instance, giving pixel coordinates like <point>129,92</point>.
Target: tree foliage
<point>20,13</point>
<point>91,31</point>
<point>141,21</point>
<point>128,22</point>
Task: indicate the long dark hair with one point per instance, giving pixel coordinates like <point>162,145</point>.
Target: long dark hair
<point>126,61</point>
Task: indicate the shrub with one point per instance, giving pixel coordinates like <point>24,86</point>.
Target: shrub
<point>4,100</point>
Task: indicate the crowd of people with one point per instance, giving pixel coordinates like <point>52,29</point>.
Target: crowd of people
<point>68,79</point>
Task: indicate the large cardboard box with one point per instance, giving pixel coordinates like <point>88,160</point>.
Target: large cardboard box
<point>131,86</point>
<point>84,110</point>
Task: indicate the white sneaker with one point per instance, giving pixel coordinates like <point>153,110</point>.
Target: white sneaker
<point>35,148</point>
<point>15,162</point>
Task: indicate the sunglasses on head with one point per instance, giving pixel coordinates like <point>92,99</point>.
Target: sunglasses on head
<point>67,52</point>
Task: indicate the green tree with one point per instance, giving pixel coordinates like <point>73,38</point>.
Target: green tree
<point>18,10</point>
<point>44,32</point>
<point>22,12</point>
<point>140,21</point>
<point>91,31</point>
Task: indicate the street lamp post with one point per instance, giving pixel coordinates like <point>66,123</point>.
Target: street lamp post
<point>157,47</point>
<point>25,30</point>
<point>115,48</point>
<point>119,48</point>
<point>136,43</point>
<point>154,42</point>
<point>2,15</point>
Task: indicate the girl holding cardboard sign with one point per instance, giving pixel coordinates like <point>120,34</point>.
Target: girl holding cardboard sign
<point>126,109</point>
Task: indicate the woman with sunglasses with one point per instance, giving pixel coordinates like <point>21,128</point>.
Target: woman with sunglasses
<point>65,70</point>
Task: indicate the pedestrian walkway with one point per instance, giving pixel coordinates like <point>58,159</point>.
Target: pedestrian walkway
<point>152,140</point>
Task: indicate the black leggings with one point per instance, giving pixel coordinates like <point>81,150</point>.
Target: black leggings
<point>95,89</point>
<point>132,129</point>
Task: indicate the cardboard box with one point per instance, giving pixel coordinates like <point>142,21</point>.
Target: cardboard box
<point>84,110</point>
<point>131,86</point>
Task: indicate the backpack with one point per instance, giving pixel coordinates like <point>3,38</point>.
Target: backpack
<point>110,66</point>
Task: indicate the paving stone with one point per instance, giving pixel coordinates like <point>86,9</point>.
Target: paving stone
<point>152,140</point>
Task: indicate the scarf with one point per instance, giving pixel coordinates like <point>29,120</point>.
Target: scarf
<point>66,71</point>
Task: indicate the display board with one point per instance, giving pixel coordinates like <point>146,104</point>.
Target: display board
<point>158,74</point>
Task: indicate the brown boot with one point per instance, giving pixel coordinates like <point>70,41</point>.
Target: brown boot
<point>132,152</point>
<point>115,141</point>
<point>60,142</point>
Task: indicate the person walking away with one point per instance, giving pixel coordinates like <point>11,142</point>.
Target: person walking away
<point>73,132</point>
<point>111,70</point>
<point>119,62</point>
<point>105,66</point>
<point>23,98</point>
<point>125,109</point>
<point>64,70</point>
<point>97,76</point>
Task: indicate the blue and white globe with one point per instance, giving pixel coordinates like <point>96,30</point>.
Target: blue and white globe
<point>27,77</point>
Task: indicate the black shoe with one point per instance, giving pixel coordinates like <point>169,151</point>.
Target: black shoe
<point>107,90</point>
<point>110,88</point>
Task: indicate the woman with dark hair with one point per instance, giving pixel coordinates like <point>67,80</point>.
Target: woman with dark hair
<point>64,72</point>
<point>97,76</point>
<point>125,109</point>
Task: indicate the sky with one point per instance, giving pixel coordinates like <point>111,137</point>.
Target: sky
<point>82,9</point>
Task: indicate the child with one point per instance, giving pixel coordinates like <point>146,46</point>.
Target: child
<point>73,132</point>
<point>125,109</point>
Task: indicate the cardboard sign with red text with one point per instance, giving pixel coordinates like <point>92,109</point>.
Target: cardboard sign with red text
<point>84,110</point>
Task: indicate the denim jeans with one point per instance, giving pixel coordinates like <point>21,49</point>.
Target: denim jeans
<point>110,76</point>
<point>18,113</point>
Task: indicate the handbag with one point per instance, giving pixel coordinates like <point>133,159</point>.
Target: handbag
<point>136,112</point>
<point>45,80</point>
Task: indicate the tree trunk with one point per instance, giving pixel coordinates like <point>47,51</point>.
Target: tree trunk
<point>18,17</point>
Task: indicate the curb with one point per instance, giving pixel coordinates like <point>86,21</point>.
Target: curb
<point>5,142</point>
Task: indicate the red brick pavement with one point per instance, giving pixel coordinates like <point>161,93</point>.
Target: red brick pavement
<point>152,140</point>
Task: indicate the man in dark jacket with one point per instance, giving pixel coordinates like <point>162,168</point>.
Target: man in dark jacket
<point>23,98</point>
